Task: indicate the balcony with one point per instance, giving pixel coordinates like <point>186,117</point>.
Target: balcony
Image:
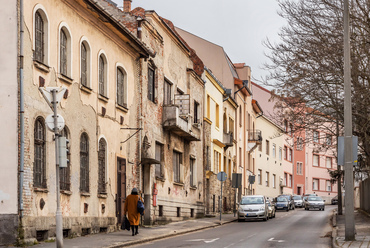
<point>180,124</point>
<point>228,139</point>
<point>254,139</point>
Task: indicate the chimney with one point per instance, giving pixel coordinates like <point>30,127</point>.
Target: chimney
<point>127,5</point>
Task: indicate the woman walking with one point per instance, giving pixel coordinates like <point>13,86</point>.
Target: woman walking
<point>131,208</point>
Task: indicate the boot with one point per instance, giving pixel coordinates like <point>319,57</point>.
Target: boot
<point>133,230</point>
<point>136,230</point>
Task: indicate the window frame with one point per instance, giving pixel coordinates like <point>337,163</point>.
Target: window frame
<point>39,54</point>
<point>102,166</point>
<point>84,164</point>
<point>313,183</point>
<point>316,136</point>
<point>167,92</point>
<point>121,87</point>
<point>65,173</point>
<point>103,75</point>
<point>159,155</point>
<point>151,83</point>
<point>318,160</point>
<point>177,164</point>
<point>39,165</point>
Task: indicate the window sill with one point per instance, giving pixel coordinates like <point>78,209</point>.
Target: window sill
<point>103,98</point>
<point>193,187</point>
<point>160,179</point>
<point>102,195</point>
<point>178,184</point>
<point>65,78</point>
<point>197,125</point>
<point>42,190</point>
<point>85,194</point>
<point>41,66</point>
<point>85,89</point>
<point>66,192</point>
<point>124,109</point>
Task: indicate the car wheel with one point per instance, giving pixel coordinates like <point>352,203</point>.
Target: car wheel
<point>266,218</point>
<point>274,215</point>
<point>287,209</point>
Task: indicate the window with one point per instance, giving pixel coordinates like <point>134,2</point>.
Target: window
<point>328,162</point>
<point>159,156</point>
<point>231,125</point>
<point>39,166</point>
<point>63,53</point>
<point>208,107</point>
<point>192,172</point>
<point>315,184</point>
<point>328,186</point>
<point>102,167</point>
<point>217,162</point>
<point>217,115</point>
<point>267,180</point>
<point>285,179</point>
<point>280,153</point>
<point>65,173</point>
<point>274,150</point>
<point>103,75</point>
<point>84,64</point>
<point>315,161</point>
<point>225,123</point>
<point>39,38</point>
<point>84,163</point>
<point>177,166</point>
<point>285,153</point>
<point>240,115</point>
<point>299,168</point>
<point>267,147</point>
<point>196,112</point>
<point>260,147</point>
<point>167,93</point>
<point>240,156</point>
<point>151,84</point>
<point>299,144</point>
<point>259,177</point>
<point>316,136</point>
<point>290,129</point>
<point>290,154</point>
<point>328,140</point>
<point>290,181</point>
<point>121,90</point>
<point>273,180</point>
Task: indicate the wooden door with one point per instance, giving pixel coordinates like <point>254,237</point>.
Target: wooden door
<point>121,188</point>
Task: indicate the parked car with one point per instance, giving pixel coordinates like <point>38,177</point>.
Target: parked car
<point>271,209</point>
<point>315,202</point>
<point>282,203</point>
<point>253,207</point>
<point>334,200</point>
<point>290,200</point>
<point>298,201</point>
<point>304,199</point>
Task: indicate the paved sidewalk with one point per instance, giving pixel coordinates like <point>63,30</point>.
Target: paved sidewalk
<point>362,229</point>
<point>124,238</point>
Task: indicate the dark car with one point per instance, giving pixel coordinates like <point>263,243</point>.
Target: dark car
<point>334,200</point>
<point>290,200</point>
<point>282,203</point>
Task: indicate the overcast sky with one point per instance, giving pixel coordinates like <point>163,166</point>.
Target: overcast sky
<point>239,26</point>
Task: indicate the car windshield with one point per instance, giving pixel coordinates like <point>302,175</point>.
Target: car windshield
<point>281,199</point>
<point>286,196</point>
<point>314,198</point>
<point>297,197</point>
<point>252,200</point>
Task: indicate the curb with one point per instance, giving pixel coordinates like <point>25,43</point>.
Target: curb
<point>145,240</point>
<point>334,231</point>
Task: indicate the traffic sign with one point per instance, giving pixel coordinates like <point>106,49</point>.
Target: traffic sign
<point>221,176</point>
<point>49,121</point>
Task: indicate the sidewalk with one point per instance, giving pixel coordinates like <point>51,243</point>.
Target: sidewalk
<point>124,238</point>
<point>362,229</point>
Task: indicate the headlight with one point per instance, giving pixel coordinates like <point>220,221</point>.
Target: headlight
<point>262,209</point>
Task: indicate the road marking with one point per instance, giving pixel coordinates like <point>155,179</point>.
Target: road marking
<point>205,241</point>
<point>273,240</point>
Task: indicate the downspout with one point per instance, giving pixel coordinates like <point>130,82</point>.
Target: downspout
<point>21,107</point>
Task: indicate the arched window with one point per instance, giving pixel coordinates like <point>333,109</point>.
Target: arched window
<point>39,38</point>
<point>84,64</point>
<point>121,90</point>
<point>65,173</point>
<point>102,167</point>
<point>102,76</point>
<point>84,163</point>
<point>63,53</point>
<point>39,166</point>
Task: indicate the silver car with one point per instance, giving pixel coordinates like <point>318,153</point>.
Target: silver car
<point>298,202</point>
<point>315,202</point>
<point>253,207</point>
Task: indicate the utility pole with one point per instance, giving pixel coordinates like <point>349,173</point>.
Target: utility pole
<point>348,165</point>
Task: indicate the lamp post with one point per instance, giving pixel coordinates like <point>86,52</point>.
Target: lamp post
<point>348,165</point>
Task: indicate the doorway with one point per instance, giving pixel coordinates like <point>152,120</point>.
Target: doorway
<point>121,188</point>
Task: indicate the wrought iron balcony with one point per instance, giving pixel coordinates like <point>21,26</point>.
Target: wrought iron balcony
<point>254,136</point>
<point>180,124</point>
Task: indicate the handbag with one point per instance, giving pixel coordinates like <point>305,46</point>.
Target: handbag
<point>140,207</point>
<point>125,224</point>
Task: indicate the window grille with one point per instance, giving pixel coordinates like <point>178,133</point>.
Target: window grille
<point>151,84</point>
<point>84,163</point>
<point>121,88</point>
<point>102,167</point>
<point>39,173</point>
<point>83,65</point>
<point>39,38</point>
<point>63,52</point>
<point>65,173</point>
<point>101,76</point>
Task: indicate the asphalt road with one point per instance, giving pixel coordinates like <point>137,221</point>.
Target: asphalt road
<point>298,228</point>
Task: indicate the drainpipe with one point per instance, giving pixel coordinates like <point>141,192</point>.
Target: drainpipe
<point>21,107</point>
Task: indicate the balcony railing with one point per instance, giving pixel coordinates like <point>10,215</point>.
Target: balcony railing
<point>254,136</point>
<point>181,125</point>
<point>228,139</point>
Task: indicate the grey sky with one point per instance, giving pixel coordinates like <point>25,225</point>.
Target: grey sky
<point>239,26</point>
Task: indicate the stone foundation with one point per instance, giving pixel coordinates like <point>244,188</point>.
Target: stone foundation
<point>8,228</point>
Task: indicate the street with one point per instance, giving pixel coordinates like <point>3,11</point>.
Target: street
<point>298,228</point>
